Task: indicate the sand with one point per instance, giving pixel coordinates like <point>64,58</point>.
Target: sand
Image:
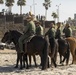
<point>8,60</point>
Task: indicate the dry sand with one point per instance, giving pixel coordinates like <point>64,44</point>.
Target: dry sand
<point>8,60</point>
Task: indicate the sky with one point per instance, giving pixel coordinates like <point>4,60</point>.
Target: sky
<point>67,8</point>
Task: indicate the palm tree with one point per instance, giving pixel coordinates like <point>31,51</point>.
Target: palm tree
<point>54,15</point>
<point>46,4</point>
<point>9,3</point>
<point>21,3</point>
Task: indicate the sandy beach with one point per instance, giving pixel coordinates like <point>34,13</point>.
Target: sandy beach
<point>8,60</point>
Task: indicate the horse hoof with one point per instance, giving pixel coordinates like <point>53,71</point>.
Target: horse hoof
<point>40,64</point>
<point>43,68</point>
<point>60,62</point>
<point>66,64</point>
<point>36,65</point>
<point>55,66</point>
<point>16,67</point>
<point>27,67</point>
<point>21,68</point>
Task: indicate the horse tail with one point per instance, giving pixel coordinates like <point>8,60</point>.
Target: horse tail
<point>45,55</point>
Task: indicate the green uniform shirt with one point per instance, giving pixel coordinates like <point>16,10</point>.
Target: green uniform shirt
<point>58,33</point>
<point>67,32</point>
<point>30,29</point>
<point>39,30</point>
<point>50,33</point>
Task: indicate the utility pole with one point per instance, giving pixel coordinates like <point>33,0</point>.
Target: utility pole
<point>58,11</point>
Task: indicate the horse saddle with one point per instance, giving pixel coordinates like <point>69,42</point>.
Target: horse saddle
<point>29,39</point>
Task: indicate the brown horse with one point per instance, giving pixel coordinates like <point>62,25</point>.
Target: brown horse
<point>36,45</point>
<point>72,43</point>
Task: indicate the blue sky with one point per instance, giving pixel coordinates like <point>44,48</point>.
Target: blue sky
<point>66,9</point>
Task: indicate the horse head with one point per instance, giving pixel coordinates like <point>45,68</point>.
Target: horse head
<point>7,38</point>
<point>11,36</point>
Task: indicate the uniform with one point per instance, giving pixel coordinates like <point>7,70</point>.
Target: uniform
<point>67,31</point>
<point>51,36</point>
<point>29,31</point>
<point>39,30</point>
<point>58,33</point>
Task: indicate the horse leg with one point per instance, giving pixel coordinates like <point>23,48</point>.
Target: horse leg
<point>54,57</point>
<point>72,53</point>
<point>48,63</point>
<point>67,56</point>
<point>74,57</point>
<point>60,58</point>
<point>29,60</point>
<point>17,61</point>
<point>53,61</point>
<point>44,56</point>
<point>25,59</point>
<point>34,60</point>
<point>20,57</point>
<point>61,61</point>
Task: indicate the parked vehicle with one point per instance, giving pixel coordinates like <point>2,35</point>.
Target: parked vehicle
<point>2,46</point>
<point>10,46</point>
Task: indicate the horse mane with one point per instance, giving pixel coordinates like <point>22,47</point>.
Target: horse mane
<point>17,33</point>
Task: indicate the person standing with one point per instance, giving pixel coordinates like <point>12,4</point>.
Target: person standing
<point>67,31</point>
<point>29,31</point>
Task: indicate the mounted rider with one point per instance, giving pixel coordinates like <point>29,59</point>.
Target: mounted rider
<point>39,28</point>
<point>58,31</point>
<point>29,31</point>
<point>51,35</point>
<point>67,30</point>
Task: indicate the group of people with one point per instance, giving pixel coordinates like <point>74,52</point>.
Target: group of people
<point>57,34</point>
<point>35,28</point>
<point>32,28</point>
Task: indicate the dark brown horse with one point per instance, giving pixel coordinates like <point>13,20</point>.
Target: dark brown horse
<point>63,50</point>
<point>36,45</point>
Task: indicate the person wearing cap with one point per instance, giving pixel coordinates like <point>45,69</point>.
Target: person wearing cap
<point>39,28</point>
<point>58,31</point>
<point>51,35</point>
<point>29,31</point>
<point>67,30</point>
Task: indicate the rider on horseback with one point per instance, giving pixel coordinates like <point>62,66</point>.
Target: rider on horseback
<point>51,36</point>
<point>39,28</point>
<point>67,30</point>
<point>58,31</point>
<point>29,31</point>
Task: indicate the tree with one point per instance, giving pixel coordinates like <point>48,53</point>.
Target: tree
<point>46,4</point>
<point>54,15</point>
<point>9,3</point>
<point>21,3</point>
